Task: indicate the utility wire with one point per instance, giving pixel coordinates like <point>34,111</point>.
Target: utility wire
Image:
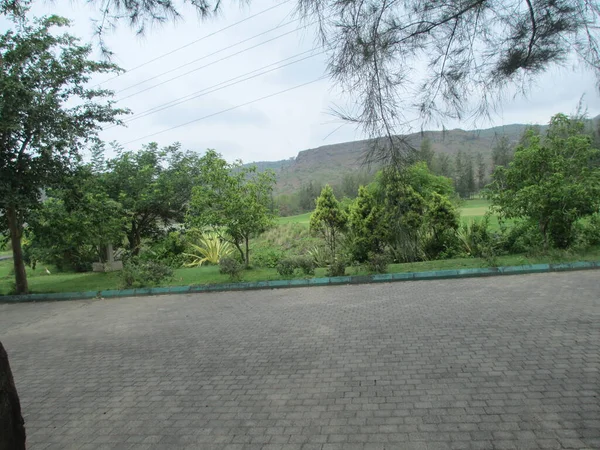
<point>209,55</point>
<point>214,62</point>
<point>222,85</point>
<point>226,110</point>
<point>195,41</point>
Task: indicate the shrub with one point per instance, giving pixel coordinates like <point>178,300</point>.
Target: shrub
<point>522,237</point>
<point>477,240</point>
<point>336,269</point>
<point>207,248</point>
<point>230,266</point>
<point>169,250</point>
<point>286,267</point>
<point>377,263</point>
<point>138,273</point>
<point>305,264</point>
<point>267,256</point>
<point>320,256</point>
<point>588,233</point>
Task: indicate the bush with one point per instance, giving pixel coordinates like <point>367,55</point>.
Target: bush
<point>588,233</point>
<point>477,240</point>
<point>377,263</point>
<point>138,273</point>
<point>305,264</point>
<point>286,267</point>
<point>230,266</point>
<point>320,256</point>
<point>206,248</point>
<point>168,250</point>
<point>336,269</point>
<point>267,257</point>
<point>522,237</point>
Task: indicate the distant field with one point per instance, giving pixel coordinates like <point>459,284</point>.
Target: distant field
<point>471,209</point>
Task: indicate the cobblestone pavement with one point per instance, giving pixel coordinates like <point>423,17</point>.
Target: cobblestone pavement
<point>501,363</point>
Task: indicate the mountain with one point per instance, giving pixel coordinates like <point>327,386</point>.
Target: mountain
<point>328,163</point>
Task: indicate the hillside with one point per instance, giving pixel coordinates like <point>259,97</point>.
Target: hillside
<point>328,163</point>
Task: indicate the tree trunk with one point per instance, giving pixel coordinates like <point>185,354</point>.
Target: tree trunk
<point>247,253</point>
<point>12,425</point>
<point>15,239</point>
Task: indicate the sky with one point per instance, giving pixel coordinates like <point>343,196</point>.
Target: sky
<point>223,113</point>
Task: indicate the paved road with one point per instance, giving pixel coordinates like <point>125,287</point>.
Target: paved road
<point>502,363</point>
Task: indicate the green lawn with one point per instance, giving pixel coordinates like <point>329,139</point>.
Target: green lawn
<point>40,281</point>
<point>470,210</point>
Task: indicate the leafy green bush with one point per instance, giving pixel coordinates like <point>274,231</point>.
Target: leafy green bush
<point>588,233</point>
<point>336,269</point>
<point>206,248</point>
<point>137,273</point>
<point>169,250</point>
<point>305,264</point>
<point>522,237</point>
<point>267,256</point>
<point>320,256</point>
<point>286,267</point>
<point>377,263</point>
<point>230,266</point>
<point>477,240</point>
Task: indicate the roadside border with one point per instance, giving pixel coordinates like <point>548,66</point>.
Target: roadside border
<point>306,282</point>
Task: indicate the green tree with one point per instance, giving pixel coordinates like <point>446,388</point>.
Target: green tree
<point>74,224</point>
<point>403,210</point>
<point>502,153</point>
<point>307,196</point>
<point>551,183</point>
<point>329,219</point>
<point>481,171</point>
<point>442,165</point>
<point>426,153</point>
<point>153,185</point>
<point>442,220</point>
<point>233,201</point>
<point>365,225</point>
<point>48,114</point>
<point>422,180</point>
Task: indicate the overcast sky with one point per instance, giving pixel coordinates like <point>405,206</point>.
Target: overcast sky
<point>274,128</point>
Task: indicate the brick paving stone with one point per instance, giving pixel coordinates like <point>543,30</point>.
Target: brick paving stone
<point>491,363</point>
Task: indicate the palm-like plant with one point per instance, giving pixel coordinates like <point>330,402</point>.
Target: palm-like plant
<point>210,248</point>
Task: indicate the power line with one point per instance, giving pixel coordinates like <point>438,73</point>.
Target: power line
<point>207,56</point>
<point>226,110</point>
<point>195,41</point>
<point>222,85</point>
<point>213,62</point>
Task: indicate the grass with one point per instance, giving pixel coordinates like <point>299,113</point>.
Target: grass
<point>40,281</point>
<point>470,210</point>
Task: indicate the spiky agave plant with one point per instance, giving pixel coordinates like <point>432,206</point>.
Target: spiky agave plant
<point>210,248</point>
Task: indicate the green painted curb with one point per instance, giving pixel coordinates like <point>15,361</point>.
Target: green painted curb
<point>327,281</point>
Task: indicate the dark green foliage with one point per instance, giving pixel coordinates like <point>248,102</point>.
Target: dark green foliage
<point>232,267</point>
<point>442,220</point>
<point>267,256</point>
<point>336,269</point>
<point>305,264</point>
<point>329,219</point>
<point>153,185</point>
<point>378,262</point>
<point>551,183</point>
<point>502,153</point>
<point>169,250</point>
<point>48,114</point>
<point>137,273</point>
<point>72,227</point>
<point>366,232</point>
<point>286,267</point>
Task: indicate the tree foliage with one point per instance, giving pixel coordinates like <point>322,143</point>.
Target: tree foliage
<point>365,226</point>
<point>47,116</point>
<point>552,183</point>
<point>232,200</point>
<point>154,187</point>
<point>329,219</point>
<point>75,222</point>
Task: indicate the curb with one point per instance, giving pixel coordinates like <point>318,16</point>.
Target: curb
<point>304,282</point>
